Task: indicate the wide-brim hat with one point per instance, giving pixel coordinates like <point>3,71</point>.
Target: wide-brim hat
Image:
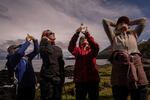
<point>122,19</point>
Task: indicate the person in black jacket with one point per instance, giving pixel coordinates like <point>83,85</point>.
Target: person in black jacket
<point>21,65</point>
<point>52,71</point>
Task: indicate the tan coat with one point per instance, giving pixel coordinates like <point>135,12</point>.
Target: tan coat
<point>128,43</point>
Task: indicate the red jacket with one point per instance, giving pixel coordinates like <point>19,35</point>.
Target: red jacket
<point>85,60</point>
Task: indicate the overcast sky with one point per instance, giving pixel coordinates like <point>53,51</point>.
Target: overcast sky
<point>19,17</point>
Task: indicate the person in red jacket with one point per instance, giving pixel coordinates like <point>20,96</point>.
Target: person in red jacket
<point>86,76</point>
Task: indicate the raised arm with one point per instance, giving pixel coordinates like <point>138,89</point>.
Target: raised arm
<point>72,44</point>
<point>35,51</point>
<point>140,25</point>
<point>108,24</point>
<point>23,47</point>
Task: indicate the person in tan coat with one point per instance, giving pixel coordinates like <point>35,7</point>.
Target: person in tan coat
<point>128,74</point>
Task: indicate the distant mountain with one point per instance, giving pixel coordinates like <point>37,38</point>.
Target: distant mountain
<point>63,45</point>
<point>144,47</point>
<point>7,43</point>
<point>104,54</point>
<point>3,54</point>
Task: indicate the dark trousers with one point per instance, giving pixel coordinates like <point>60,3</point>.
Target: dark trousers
<point>26,93</point>
<point>88,88</point>
<point>121,93</point>
<point>50,91</point>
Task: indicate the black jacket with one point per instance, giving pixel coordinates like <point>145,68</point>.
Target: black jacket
<point>53,63</point>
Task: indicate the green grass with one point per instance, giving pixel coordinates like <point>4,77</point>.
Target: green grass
<point>104,70</point>
<point>105,85</point>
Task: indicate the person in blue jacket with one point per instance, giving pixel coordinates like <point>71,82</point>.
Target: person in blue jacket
<point>20,65</point>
